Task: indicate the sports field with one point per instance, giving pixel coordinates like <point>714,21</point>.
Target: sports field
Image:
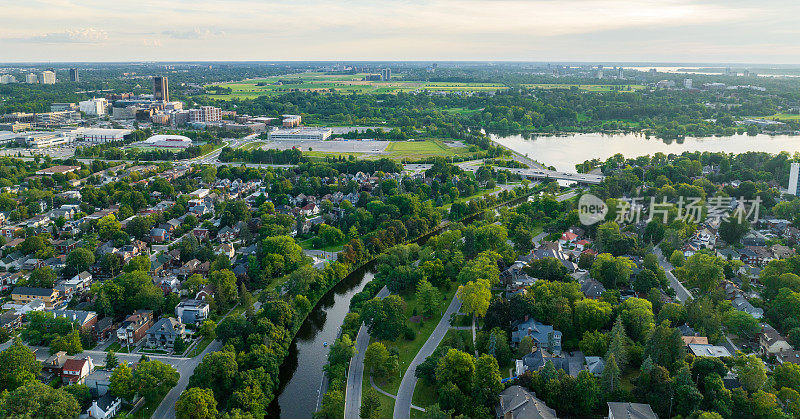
<point>321,82</point>
<point>398,150</point>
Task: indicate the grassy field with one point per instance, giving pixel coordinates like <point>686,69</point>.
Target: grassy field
<point>403,150</point>
<point>306,245</point>
<point>321,82</point>
<point>783,117</point>
<point>585,87</point>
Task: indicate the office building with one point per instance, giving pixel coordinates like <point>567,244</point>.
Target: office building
<point>291,121</point>
<point>100,135</point>
<point>794,179</point>
<point>73,75</point>
<point>46,139</point>
<point>386,74</point>
<point>205,114</point>
<point>687,84</point>
<point>58,107</point>
<point>620,74</point>
<point>7,78</point>
<point>160,88</point>
<point>48,77</point>
<point>300,134</point>
<point>94,107</point>
<point>31,78</point>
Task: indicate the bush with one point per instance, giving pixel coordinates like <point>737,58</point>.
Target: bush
<point>409,334</point>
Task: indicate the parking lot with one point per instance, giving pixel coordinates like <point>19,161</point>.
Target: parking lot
<point>60,152</point>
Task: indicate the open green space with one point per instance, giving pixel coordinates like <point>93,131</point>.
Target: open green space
<point>347,83</point>
<point>783,117</point>
<point>404,150</point>
<point>306,245</point>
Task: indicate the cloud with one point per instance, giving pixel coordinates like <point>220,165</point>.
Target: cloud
<point>194,33</point>
<point>70,36</point>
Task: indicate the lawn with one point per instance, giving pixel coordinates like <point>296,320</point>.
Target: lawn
<point>347,83</point>
<point>306,245</point>
<point>783,117</point>
<point>408,349</point>
<point>117,348</point>
<point>199,347</point>
<point>404,150</point>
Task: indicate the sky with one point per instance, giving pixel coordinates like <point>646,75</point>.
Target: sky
<point>718,31</point>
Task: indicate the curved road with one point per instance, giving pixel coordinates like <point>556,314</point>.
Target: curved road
<point>355,372</point>
<point>402,405</point>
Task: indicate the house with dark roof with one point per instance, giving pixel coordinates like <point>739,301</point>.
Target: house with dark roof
<point>84,319</point>
<point>164,333</point>
<point>620,410</point>
<point>103,328</point>
<point>536,360</point>
<point>75,371</point>
<point>592,288</point>
<point>104,407</point>
<point>517,403</point>
<point>192,311</point>
<point>23,295</point>
<point>543,336</point>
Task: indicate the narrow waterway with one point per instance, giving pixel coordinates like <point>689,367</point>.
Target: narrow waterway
<point>301,371</point>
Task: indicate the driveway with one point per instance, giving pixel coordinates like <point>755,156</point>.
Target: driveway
<point>681,293</point>
<point>402,406</point>
<point>355,372</point>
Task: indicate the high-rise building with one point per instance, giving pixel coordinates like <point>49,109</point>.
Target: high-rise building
<point>687,84</point>
<point>31,78</point>
<point>160,88</point>
<point>94,107</point>
<point>620,74</point>
<point>386,74</point>
<point>205,114</point>
<point>48,77</point>
<point>73,75</point>
<point>794,179</point>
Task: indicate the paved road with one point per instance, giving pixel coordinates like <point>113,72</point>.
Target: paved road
<point>355,372</point>
<point>167,407</point>
<point>681,293</point>
<point>402,405</point>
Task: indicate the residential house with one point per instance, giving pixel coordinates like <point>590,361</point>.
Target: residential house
<point>85,319</point>
<point>105,407</point>
<point>188,268</point>
<point>164,333</point>
<point>554,250</point>
<point>624,410</point>
<point>226,234</point>
<point>192,311</point>
<point>75,371</point>
<point>103,328</point>
<point>225,249</point>
<point>158,235</point>
<point>135,327</point>
<point>708,350</point>
<point>780,251</point>
<point>55,363</point>
<point>544,336</point>
<point>790,356</point>
<point>567,238</point>
<point>517,403</point>
<point>592,288</point>
<point>536,360</point>
<point>65,246</point>
<point>10,321</point>
<point>99,382</point>
<point>694,340</point>
<point>201,233</point>
<point>740,303</point>
<point>770,342</point>
<point>595,365</point>
<point>23,295</point>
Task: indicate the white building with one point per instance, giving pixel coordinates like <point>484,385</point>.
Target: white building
<point>687,84</point>
<point>300,134</point>
<point>46,139</point>
<point>100,135</point>
<point>794,179</point>
<point>7,78</point>
<point>94,107</point>
<point>31,78</point>
<point>167,141</point>
<point>48,77</point>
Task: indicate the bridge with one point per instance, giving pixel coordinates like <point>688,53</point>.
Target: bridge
<point>580,178</point>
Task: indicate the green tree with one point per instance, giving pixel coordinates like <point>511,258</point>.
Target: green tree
<point>43,277</point>
<point>618,345</point>
<point>208,329</point>
<point>475,296</point>
<point>111,360</point>
<point>591,314</point>
<point>370,405</point>
<point>121,382</point>
<point>594,343</point>
<point>332,405</point>
<point>487,384</point>
<point>428,297</point>
<point>664,345</point>
<point>376,359</point>
<point>224,283</point>
<point>458,368</point>
<point>70,343</point>
<point>153,379</point>
<point>612,272</point>
<point>742,324</point>
<point>18,365</point>
<point>79,260</point>
<point>611,374</point>
<point>751,371</point>
<point>37,400</point>
<point>677,259</point>
<point>384,317</point>
<point>196,403</point>
<point>637,316</point>
<point>108,226</point>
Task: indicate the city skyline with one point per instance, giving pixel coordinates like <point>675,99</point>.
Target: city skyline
<point>500,30</point>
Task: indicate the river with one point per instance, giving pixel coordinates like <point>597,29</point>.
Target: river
<point>301,371</point>
<point>565,151</point>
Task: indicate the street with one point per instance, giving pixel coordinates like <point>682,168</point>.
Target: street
<point>681,293</point>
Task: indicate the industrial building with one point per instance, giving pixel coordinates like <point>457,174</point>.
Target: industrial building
<point>300,134</point>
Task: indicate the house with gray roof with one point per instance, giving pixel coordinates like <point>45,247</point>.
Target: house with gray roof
<point>620,410</point>
<point>544,336</point>
<point>164,333</point>
<point>517,403</point>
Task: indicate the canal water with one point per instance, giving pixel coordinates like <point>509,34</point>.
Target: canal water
<point>565,151</point>
<point>301,371</point>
